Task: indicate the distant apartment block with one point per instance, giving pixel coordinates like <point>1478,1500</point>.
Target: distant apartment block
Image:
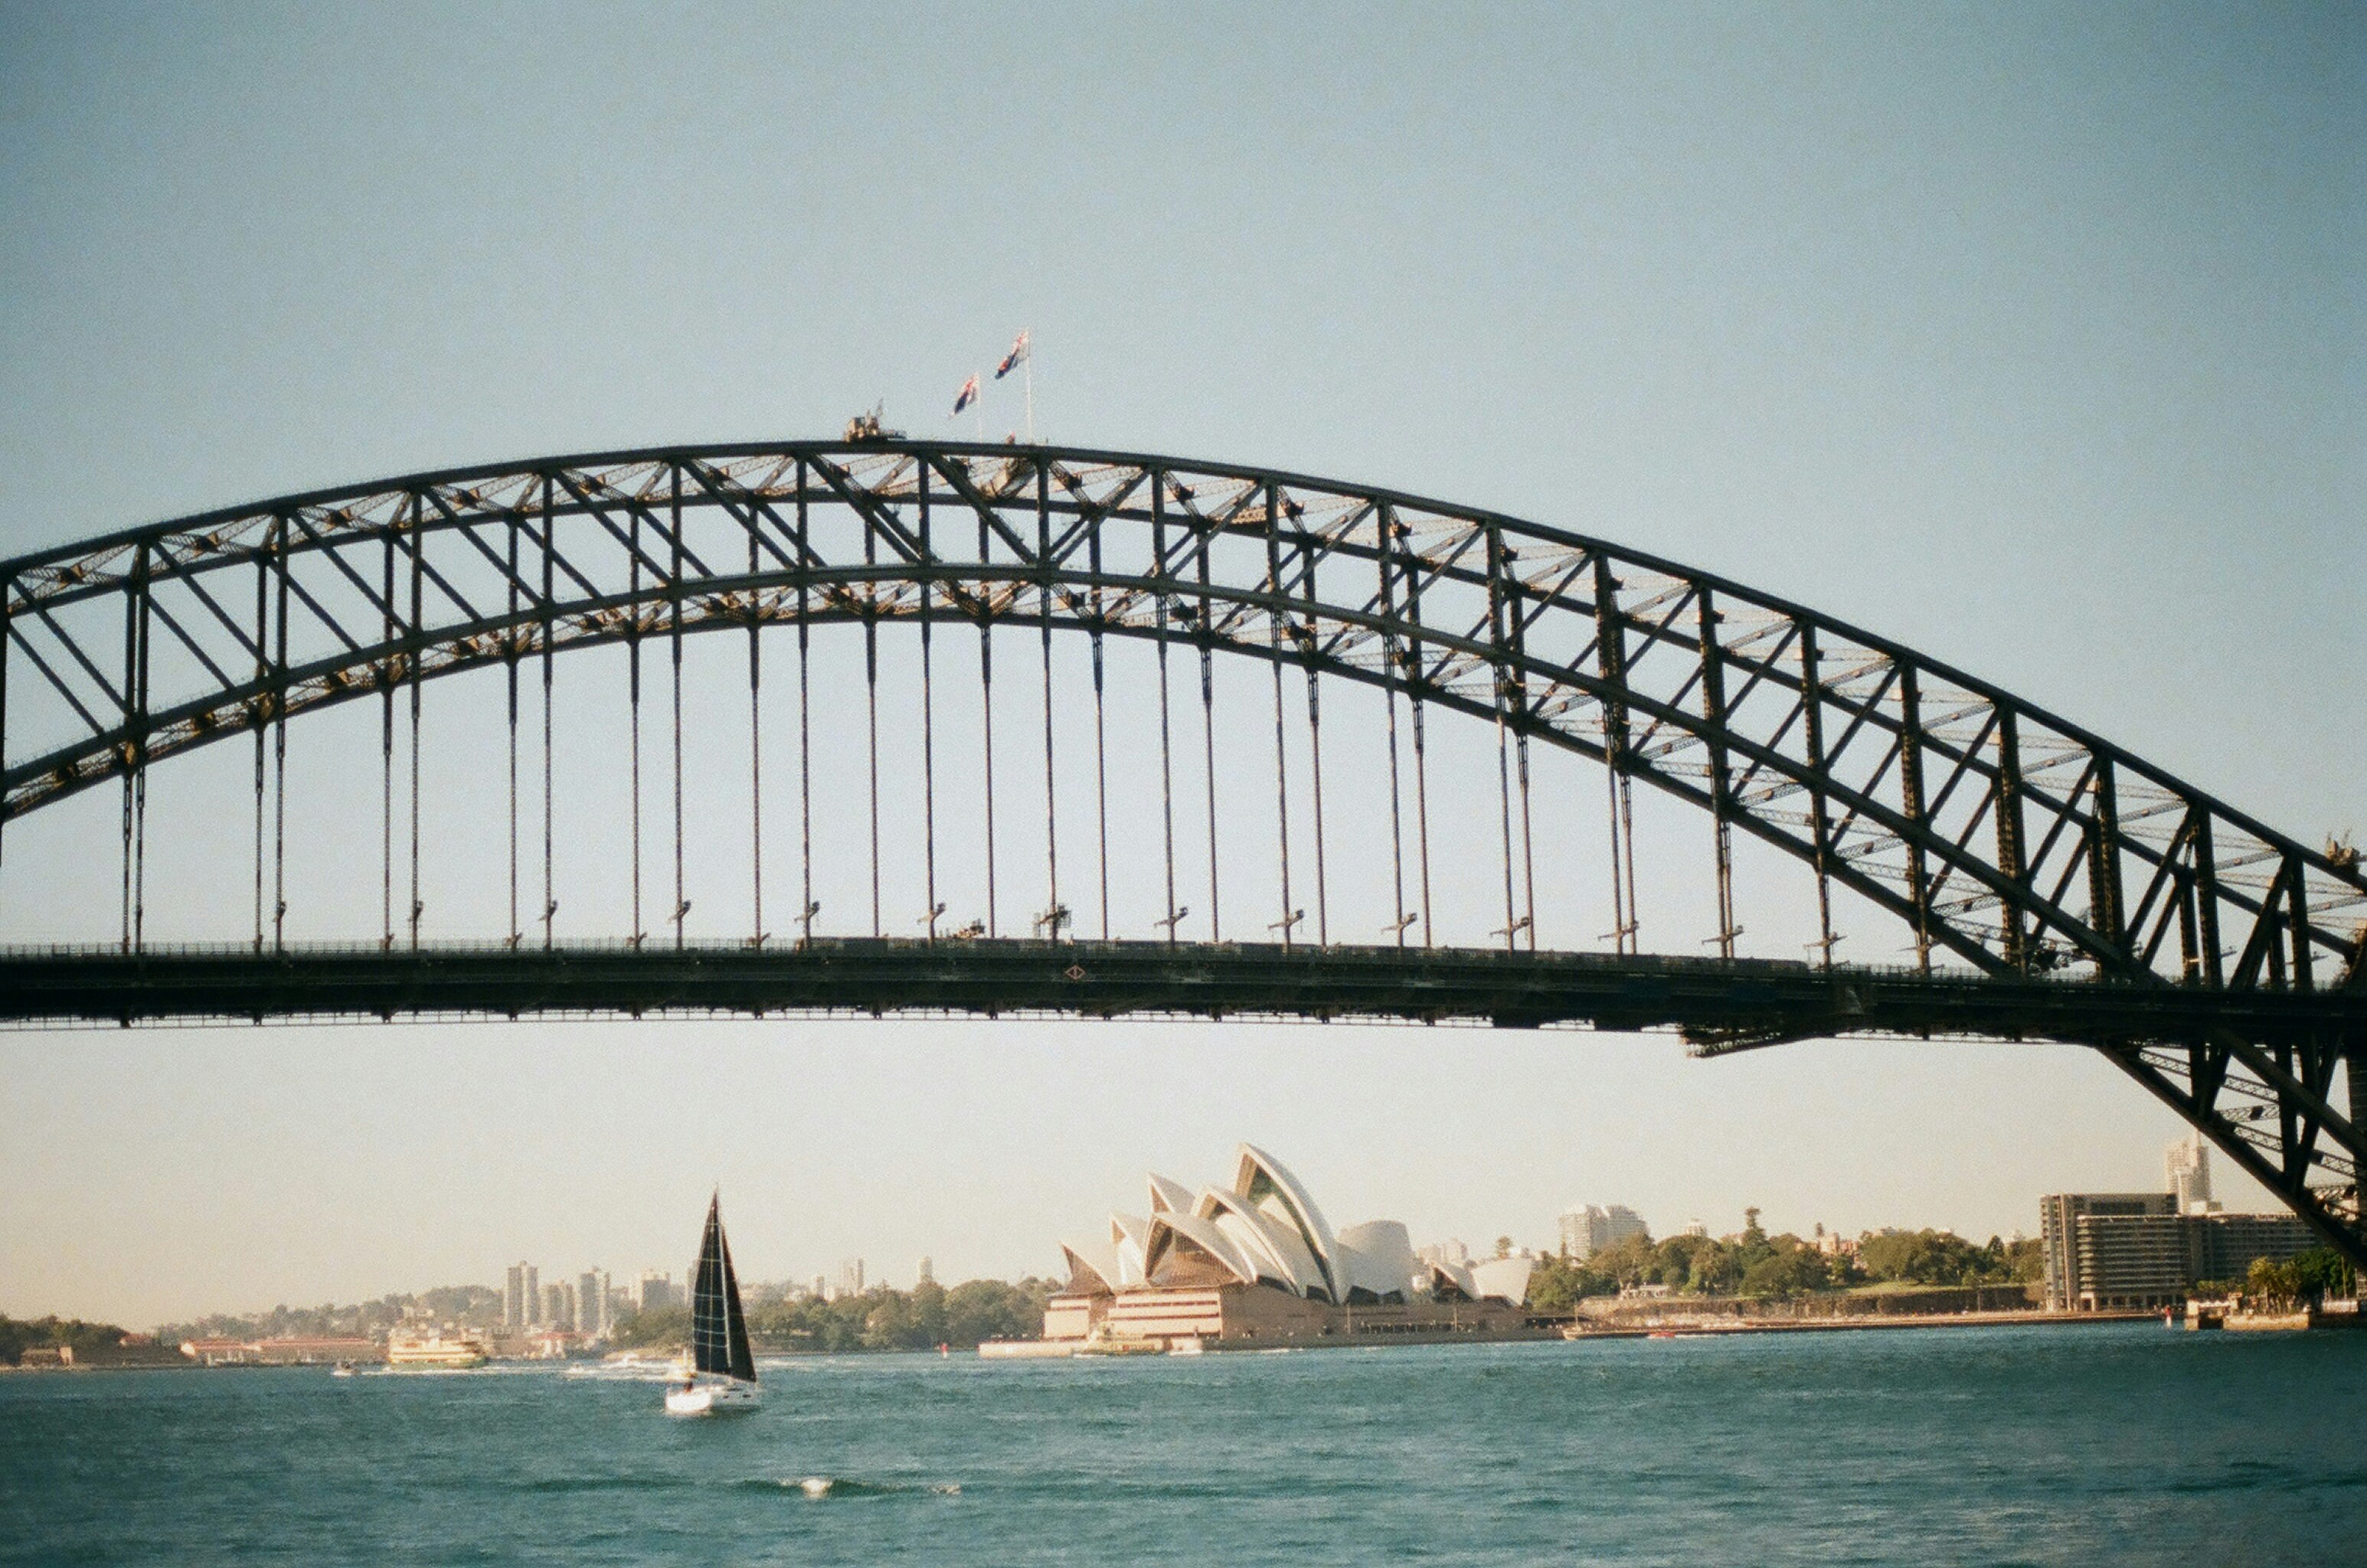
<point>1591,1228</point>
<point>592,1303</point>
<point>522,1298</point>
<point>1447,1254</point>
<point>653,1291</point>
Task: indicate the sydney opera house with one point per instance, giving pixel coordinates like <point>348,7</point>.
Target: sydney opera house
<point>1253,1263</point>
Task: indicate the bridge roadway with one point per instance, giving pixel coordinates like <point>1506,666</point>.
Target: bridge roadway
<point>1719,1004</point>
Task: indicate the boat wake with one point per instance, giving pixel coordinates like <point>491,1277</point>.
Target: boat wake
<point>832,1486</point>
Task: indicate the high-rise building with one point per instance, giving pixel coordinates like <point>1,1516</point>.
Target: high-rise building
<point>2188,1162</point>
<point>1589,1228</point>
<point>2107,1250</point>
<point>592,1303</point>
<point>850,1278</point>
<point>522,1298</point>
<point>923,1275</point>
<point>1448,1254</point>
<point>558,1305</point>
<point>653,1291</point>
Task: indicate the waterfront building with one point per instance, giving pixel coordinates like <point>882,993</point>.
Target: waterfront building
<point>287,1351</point>
<point>1254,1262</point>
<point>2107,1251</point>
<point>2224,1246</point>
<point>1589,1228</point>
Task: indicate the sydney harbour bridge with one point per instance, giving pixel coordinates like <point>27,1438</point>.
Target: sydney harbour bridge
<point>883,725</point>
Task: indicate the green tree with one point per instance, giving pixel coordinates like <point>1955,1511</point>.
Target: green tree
<point>86,1340</point>
<point>1559,1285</point>
<point>2321,1272</point>
<point>929,1313</point>
<point>978,1310</point>
<point>661,1328</point>
<point>2272,1285</point>
<point>1931,1258</point>
<point>1786,1270</point>
<point>889,1324</point>
<point>1716,1268</point>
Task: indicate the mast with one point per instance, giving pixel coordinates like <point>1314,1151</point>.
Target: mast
<point>741,1361</point>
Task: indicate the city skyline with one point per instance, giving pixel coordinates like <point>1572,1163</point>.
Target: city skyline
<point>654,1287</point>
<point>2030,340</point>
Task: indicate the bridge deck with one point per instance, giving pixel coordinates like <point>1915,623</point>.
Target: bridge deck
<point>1719,1004</point>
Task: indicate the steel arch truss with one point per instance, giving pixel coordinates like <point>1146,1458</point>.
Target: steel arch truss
<point>2002,837</point>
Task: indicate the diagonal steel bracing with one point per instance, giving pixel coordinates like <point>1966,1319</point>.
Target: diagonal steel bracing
<point>2005,841</point>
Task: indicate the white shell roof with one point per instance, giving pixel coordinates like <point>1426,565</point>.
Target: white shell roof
<point>1130,1237</point>
<point>1204,1235</point>
<point>1282,1190</point>
<point>1276,1245</point>
<point>1378,1256</point>
<point>1089,1261</point>
<point>1169,1197</point>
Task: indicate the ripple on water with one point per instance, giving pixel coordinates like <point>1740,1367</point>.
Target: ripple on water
<point>2093,1446</point>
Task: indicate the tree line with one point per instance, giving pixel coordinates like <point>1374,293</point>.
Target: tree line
<point>1756,1264</point>
<point>470,1306</point>
<point>86,1340</point>
<point>881,1318</point>
<point>2303,1279</point>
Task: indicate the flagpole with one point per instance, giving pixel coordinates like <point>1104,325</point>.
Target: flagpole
<point>1027,370</point>
<point>978,405</point>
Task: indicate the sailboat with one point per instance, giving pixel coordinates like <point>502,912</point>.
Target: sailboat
<point>721,1373</point>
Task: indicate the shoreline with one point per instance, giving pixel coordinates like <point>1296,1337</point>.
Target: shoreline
<point>1571,1332</point>
<point>1703,1328</point>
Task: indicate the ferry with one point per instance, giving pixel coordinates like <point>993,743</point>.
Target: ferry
<point>432,1352</point>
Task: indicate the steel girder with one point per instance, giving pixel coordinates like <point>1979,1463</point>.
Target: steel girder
<point>2002,837</point>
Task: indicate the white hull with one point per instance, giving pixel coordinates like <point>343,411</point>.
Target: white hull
<point>711,1396</point>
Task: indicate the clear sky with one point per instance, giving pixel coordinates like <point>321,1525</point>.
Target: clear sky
<point>2033,337</point>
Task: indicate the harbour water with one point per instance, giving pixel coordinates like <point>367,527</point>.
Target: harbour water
<point>2123,1444</point>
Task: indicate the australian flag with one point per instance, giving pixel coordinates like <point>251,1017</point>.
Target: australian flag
<point>967,395</point>
<point>1011,361</point>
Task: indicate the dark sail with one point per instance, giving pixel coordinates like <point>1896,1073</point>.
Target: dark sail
<point>719,1331</point>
